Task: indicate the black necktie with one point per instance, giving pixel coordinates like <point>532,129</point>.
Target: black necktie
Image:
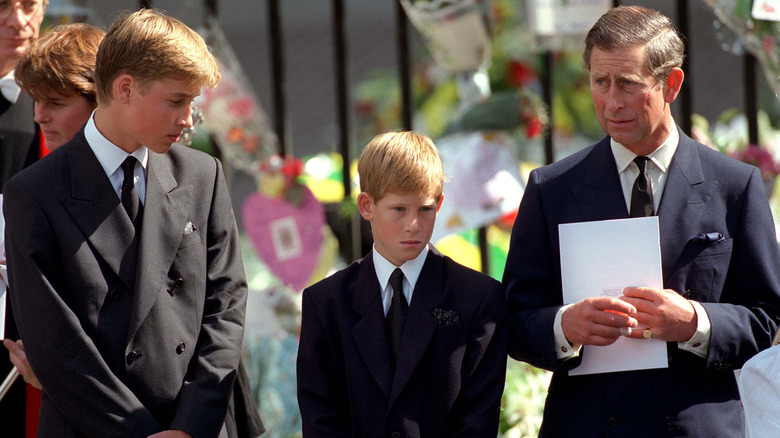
<point>396,314</point>
<point>642,193</point>
<point>130,200</point>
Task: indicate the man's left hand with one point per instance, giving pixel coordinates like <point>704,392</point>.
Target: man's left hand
<point>666,313</point>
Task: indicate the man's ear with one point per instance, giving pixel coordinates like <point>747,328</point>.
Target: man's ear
<point>673,84</point>
<point>123,87</point>
<point>438,207</point>
<point>365,205</point>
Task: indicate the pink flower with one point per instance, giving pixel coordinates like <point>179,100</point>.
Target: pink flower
<point>760,158</point>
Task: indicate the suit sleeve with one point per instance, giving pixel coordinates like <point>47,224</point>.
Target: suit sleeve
<point>532,283</point>
<point>322,404</point>
<point>64,358</point>
<point>484,368</point>
<point>745,318</point>
<point>209,382</point>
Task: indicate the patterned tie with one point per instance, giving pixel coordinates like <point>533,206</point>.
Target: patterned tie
<point>130,200</point>
<point>396,315</point>
<point>642,193</point>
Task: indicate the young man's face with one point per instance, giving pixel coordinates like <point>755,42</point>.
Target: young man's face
<point>61,117</point>
<point>402,224</point>
<point>631,105</point>
<point>159,111</point>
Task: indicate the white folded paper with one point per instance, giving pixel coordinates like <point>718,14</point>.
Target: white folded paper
<point>600,259</point>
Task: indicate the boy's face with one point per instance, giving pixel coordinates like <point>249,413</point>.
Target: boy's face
<point>402,224</point>
<point>158,112</point>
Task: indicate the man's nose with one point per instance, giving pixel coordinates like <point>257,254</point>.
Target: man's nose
<point>16,18</point>
<point>615,99</point>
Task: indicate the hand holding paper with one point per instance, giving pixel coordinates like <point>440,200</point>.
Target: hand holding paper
<point>670,316</point>
<point>597,320</point>
<point>598,260</point>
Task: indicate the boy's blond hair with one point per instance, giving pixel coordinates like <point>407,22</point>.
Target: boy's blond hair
<point>62,61</point>
<point>400,162</point>
<point>149,45</point>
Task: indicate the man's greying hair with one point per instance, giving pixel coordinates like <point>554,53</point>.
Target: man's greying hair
<point>630,26</point>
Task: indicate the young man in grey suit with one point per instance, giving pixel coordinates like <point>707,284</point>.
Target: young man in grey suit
<point>720,302</point>
<point>129,286</point>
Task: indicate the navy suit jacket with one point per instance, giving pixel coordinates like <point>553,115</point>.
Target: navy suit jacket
<point>450,372</point>
<point>118,357</point>
<point>736,279</point>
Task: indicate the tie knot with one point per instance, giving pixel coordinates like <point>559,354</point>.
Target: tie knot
<point>396,280</point>
<point>641,162</point>
<point>128,166</point>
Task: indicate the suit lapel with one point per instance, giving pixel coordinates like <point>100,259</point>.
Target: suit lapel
<point>683,201</point>
<point>164,218</point>
<point>96,208</point>
<point>370,333</point>
<point>600,197</point>
<point>420,324</point>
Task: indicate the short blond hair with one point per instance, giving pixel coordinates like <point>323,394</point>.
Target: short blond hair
<point>401,162</point>
<point>61,61</point>
<point>149,45</point>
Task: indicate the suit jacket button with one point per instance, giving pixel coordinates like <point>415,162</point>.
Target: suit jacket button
<point>178,283</point>
<point>133,356</point>
<point>114,294</point>
<point>687,293</point>
<point>395,435</point>
<point>180,348</point>
<point>612,422</point>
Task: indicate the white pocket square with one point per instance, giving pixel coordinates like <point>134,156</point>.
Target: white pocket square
<point>189,228</point>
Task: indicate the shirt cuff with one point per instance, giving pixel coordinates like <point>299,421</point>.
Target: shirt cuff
<point>700,341</point>
<point>563,349</point>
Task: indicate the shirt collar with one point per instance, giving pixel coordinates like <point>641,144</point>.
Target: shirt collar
<point>108,154</point>
<point>9,88</point>
<point>410,268</point>
<point>661,157</point>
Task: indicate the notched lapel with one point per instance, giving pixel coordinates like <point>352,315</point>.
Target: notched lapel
<point>683,205</point>
<point>96,208</point>
<point>164,220</point>
<point>420,323</point>
<point>370,332</point>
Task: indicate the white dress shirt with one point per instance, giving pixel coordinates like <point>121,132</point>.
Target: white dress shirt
<point>658,171</point>
<point>9,88</point>
<point>111,158</point>
<point>411,270</point>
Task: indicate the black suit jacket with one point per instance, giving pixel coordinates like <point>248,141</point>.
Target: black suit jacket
<point>450,374</point>
<point>118,358</point>
<point>19,138</point>
<point>737,280</point>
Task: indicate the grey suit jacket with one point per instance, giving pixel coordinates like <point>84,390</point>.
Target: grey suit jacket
<point>115,357</point>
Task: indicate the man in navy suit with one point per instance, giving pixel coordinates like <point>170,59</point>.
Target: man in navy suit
<point>721,266</point>
<point>405,342</point>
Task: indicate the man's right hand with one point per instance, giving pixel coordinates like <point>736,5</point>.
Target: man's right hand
<point>19,359</point>
<point>597,321</point>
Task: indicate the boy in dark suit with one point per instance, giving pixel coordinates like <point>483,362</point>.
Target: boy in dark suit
<point>122,247</point>
<point>404,342</point>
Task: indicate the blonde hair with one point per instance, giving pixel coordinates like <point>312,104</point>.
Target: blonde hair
<point>61,61</point>
<point>400,162</point>
<point>149,45</point>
